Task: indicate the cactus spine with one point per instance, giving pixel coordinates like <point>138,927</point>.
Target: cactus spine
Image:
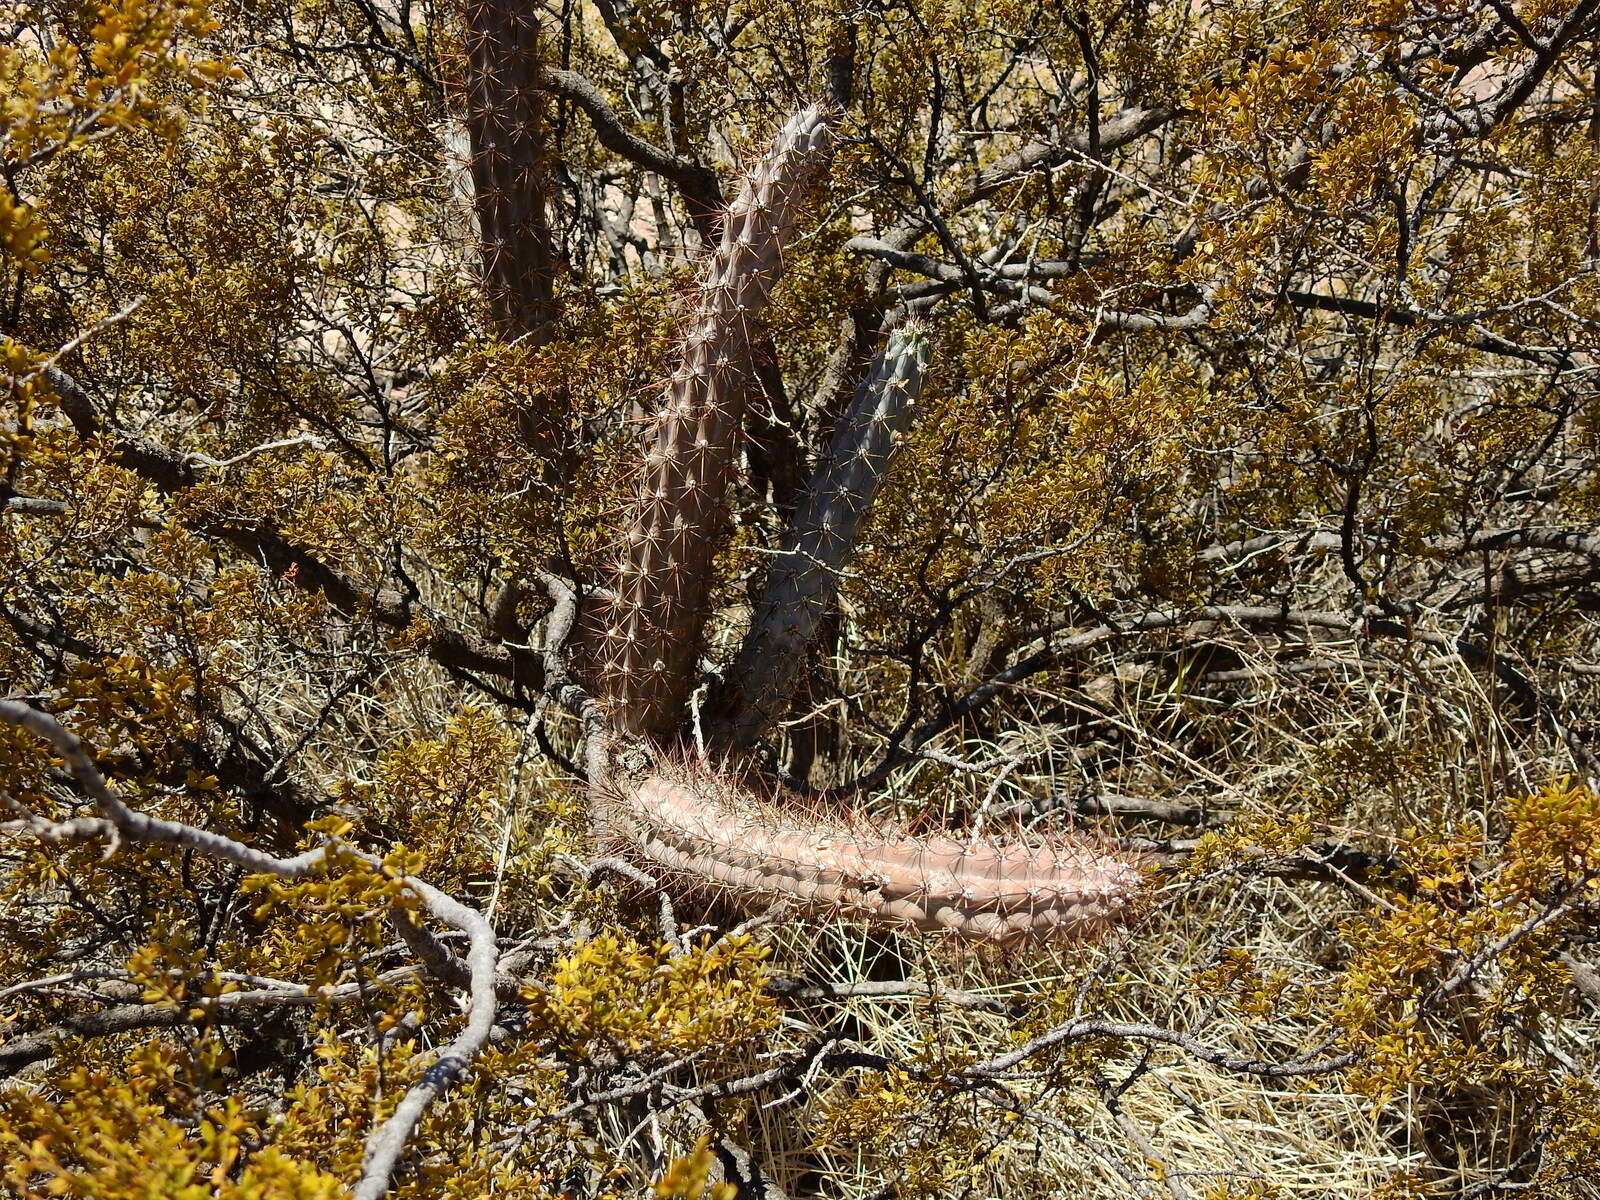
<point>705,827</point>
<point>679,514</point>
<point>804,580</point>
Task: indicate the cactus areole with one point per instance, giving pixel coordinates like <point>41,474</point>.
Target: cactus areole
<point>693,822</point>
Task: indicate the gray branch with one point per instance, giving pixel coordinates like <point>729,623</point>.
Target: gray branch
<point>119,822</point>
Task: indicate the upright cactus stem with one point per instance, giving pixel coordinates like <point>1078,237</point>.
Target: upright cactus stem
<point>506,127</point>
<point>804,580</point>
<point>680,514</point>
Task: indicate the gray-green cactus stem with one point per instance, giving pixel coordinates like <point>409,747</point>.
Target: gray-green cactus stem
<point>804,580</point>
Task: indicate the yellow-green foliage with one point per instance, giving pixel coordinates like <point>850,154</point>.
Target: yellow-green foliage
<point>687,1178</point>
<point>1480,928</point>
<point>1288,352</point>
<point>115,1135</point>
<point>936,1144</point>
<point>612,997</point>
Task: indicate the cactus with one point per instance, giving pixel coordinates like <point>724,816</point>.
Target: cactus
<point>804,580</point>
<point>706,827</point>
<point>712,832</point>
<point>510,176</point>
<point>652,636</point>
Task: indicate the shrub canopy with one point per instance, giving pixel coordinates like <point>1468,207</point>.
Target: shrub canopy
<point>1244,525</point>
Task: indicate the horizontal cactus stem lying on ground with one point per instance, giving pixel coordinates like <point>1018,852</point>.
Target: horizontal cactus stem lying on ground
<point>709,832</point>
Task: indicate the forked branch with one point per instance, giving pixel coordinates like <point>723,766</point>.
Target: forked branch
<point>118,822</point>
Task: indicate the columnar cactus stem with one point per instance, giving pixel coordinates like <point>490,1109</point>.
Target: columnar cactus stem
<point>510,176</point>
<point>713,833</point>
<point>804,580</point>
<point>653,632</point>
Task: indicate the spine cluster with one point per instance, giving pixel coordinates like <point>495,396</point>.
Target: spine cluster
<point>710,832</point>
